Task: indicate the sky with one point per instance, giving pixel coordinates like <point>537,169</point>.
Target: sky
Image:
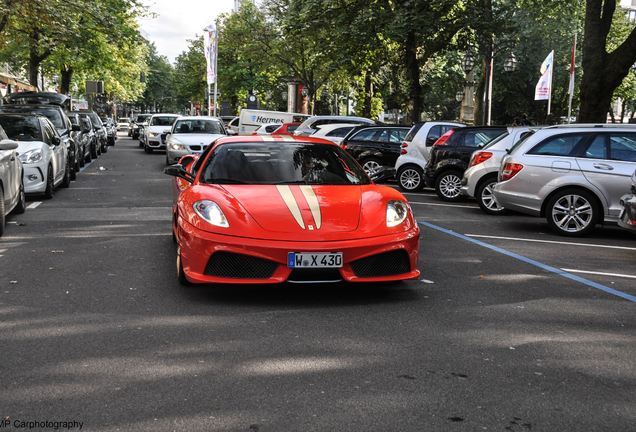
<point>176,21</point>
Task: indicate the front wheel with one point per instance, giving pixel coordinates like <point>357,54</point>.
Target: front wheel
<point>48,191</point>
<point>147,149</point>
<point>448,186</point>
<point>21,207</point>
<point>183,280</point>
<point>66,181</point>
<point>572,212</point>
<point>486,198</point>
<point>410,178</point>
<point>371,166</point>
<point>2,216</point>
<point>93,154</point>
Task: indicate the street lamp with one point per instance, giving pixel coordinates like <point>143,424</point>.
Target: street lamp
<point>459,96</point>
<point>468,62</point>
<point>467,96</point>
<point>510,65</point>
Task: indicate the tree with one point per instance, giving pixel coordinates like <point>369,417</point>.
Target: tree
<point>603,70</point>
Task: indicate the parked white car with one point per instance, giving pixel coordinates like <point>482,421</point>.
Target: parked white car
<point>158,128</point>
<point>11,189</point>
<point>481,175</point>
<point>415,153</point>
<point>123,124</point>
<point>191,135</point>
<point>310,125</point>
<point>41,151</point>
<point>334,132</point>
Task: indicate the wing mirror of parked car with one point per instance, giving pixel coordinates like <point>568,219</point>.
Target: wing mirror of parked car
<point>76,128</point>
<point>177,170</point>
<point>8,145</point>
<point>56,141</point>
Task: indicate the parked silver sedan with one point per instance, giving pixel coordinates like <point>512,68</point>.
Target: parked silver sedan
<point>191,135</point>
<point>627,218</point>
<point>11,187</point>
<point>574,176</point>
<point>483,168</point>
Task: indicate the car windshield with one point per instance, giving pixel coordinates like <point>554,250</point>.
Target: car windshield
<point>162,121</point>
<point>22,128</point>
<point>95,119</point>
<point>142,118</point>
<point>53,114</point>
<point>280,163</point>
<point>198,126</point>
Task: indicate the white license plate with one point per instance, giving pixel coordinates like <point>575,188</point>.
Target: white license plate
<point>314,259</point>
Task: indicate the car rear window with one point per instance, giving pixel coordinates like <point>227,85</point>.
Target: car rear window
<point>475,137</point>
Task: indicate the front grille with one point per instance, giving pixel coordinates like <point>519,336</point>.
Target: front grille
<point>239,266</point>
<point>384,264</point>
<point>314,275</point>
<point>195,147</point>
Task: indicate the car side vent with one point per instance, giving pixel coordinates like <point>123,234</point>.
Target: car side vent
<point>239,266</point>
<point>384,264</point>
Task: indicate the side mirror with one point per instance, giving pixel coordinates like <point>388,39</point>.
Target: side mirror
<point>431,140</point>
<point>76,128</point>
<point>187,161</point>
<point>177,170</point>
<point>56,141</point>
<point>8,145</point>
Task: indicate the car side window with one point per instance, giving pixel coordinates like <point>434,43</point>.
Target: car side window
<point>558,145</point>
<point>397,136</point>
<point>48,134</point>
<point>597,149</point>
<point>364,135</point>
<point>339,132</point>
<point>623,147</point>
<point>433,135</point>
<point>270,129</point>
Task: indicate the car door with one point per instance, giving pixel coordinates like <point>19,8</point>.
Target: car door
<point>395,137</point>
<point>608,163</point>
<point>10,173</point>
<point>57,151</point>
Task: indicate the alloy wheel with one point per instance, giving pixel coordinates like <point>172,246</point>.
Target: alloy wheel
<point>450,185</point>
<point>410,179</point>
<point>371,167</point>
<point>488,198</point>
<point>572,213</point>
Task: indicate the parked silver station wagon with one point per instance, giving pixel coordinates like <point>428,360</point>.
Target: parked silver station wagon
<point>574,175</point>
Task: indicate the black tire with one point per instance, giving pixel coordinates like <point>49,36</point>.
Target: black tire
<point>410,178</point>
<point>147,149</point>
<point>66,181</point>
<point>180,273</point>
<point>141,145</point>
<point>93,153</point>
<point>73,170</point>
<point>105,148</point>
<point>2,216</point>
<point>21,206</point>
<point>98,149</point>
<point>573,212</point>
<point>448,185</point>
<point>50,187</point>
<point>487,202</point>
<point>82,160</point>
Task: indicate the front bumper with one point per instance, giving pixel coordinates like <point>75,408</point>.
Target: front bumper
<point>627,219</point>
<point>34,178</point>
<point>197,247</point>
<point>174,155</point>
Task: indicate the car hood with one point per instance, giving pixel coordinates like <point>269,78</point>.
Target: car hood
<point>298,209</point>
<point>196,139</point>
<point>158,129</point>
<point>25,146</point>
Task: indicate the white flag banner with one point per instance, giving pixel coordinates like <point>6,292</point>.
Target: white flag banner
<point>543,90</point>
<point>210,41</point>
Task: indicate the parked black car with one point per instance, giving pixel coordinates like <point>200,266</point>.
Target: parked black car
<point>99,128</point>
<point>85,136</point>
<point>56,114</point>
<point>137,125</point>
<point>89,129</point>
<point>111,130</point>
<point>375,147</point>
<point>450,156</point>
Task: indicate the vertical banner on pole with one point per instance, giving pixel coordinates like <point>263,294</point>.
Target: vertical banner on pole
<point>210,45</point>
<point>543,90</point>
<point>572,78</point>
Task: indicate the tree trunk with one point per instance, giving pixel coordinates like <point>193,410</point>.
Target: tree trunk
<point>413,77</point>
<point>611,113</point>
<point>623,106</point>
<point>480,106</point>
<point>34,58</point>
<point>368,95</point>
<point>603,72</point>
<point>66,74</point>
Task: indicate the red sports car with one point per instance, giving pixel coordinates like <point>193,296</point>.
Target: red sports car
<point>274,209</point>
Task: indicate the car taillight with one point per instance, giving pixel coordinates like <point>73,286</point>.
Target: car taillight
<point>403,147</point>
<point>343,146</point>
<point>479,157</point>
<point>442,140</point>
<point>509,171</point>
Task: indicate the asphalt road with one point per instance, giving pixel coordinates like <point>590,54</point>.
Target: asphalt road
<point>95,328</point>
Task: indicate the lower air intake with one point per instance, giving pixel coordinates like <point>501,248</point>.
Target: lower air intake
<point>239,266</point>
<point>384,264</point>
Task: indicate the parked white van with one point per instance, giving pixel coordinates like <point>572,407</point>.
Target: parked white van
<point>250,120</point>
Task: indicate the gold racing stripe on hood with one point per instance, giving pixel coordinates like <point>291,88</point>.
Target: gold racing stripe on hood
<point>314,205</point>
<point>287,195</point>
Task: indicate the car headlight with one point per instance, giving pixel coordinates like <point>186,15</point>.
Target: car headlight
<point>176,145</point>
<point>211,212</point>
<point>153,134</point>
<point>31,156</point>
<point>396,213</point>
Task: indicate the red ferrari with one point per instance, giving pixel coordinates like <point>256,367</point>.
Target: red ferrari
<point>262,209</point>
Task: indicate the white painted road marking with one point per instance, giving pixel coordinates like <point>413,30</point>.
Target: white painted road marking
<point>551,241</point>
<point>600,273</point>
<point>34,205</point>
<point>426,281</point>
<point>443,205</point>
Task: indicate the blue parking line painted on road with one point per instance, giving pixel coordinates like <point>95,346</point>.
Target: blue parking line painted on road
<point>526,260</point>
